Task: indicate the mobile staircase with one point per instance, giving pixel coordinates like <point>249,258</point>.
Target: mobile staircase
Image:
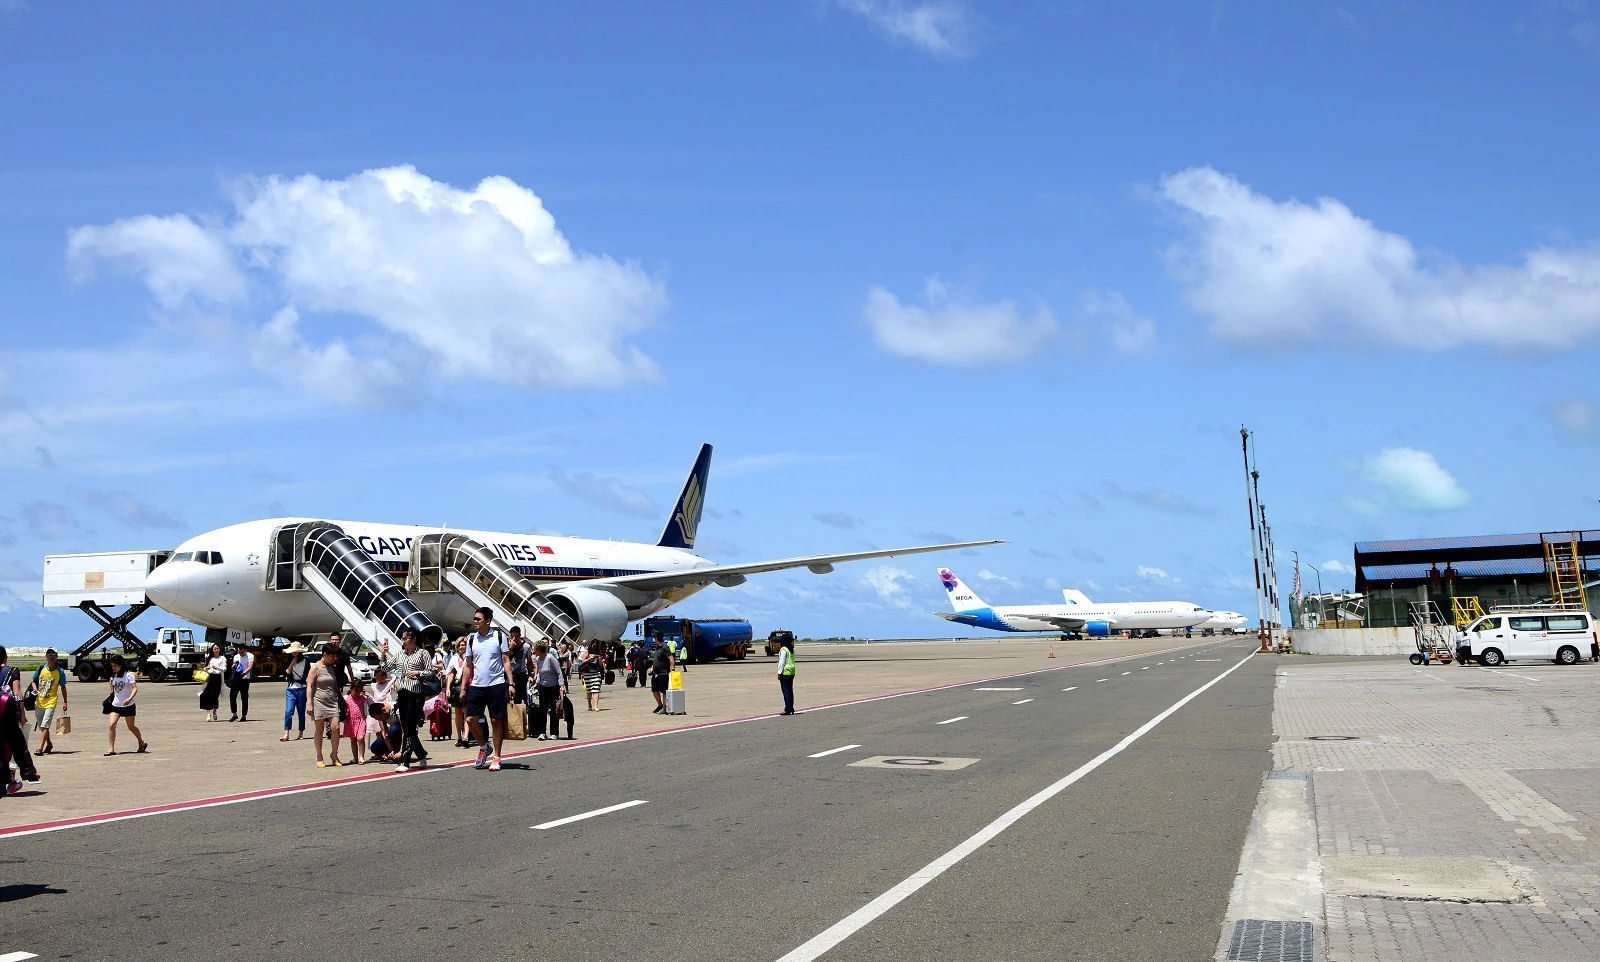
<point>1466,609</point>
<point>1435,635</point>
<point>1564,568</point>
<point>450,561</point>
<point>318,556</point>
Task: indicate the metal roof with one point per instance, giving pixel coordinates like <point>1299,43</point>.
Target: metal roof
<point>1529,539</point>
<point>1501,568</point>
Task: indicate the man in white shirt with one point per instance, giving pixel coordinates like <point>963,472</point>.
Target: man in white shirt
<point>488,672</point>
<point>239,691</point>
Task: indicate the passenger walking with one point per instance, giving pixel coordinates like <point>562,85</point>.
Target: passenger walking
<point>635,665</point>
<point>488,671</point>
<point>456,691</point>
<point>551,686</point>
<point>519,666</point>
<point>49,691</point>
<point>244,664</point>
<point>786,674</point>
<point>592,670</point>
<point>124,689</point>
<point>294,693</point>
<point>355,720</point>
<point>322,685</point>
<point>216,671</point>
<point>661,665</point>
<point>416,680</point>
<point>11,721</point>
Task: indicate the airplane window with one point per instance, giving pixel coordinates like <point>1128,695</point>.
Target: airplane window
<point>216,557</point>
<point>183,556</point>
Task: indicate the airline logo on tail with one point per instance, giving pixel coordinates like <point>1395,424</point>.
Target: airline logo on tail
<point>960,595</point>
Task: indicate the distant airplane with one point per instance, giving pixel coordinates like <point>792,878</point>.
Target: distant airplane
<point>1222,621</point>
<point>300,576</point>
<point>1078,614</point>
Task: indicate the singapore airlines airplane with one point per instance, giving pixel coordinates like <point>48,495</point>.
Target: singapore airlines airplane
<point>254,576</point>
<point>1079,614</point>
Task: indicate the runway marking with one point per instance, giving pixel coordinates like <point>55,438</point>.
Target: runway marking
<point>860,918</point>
<point>997,689</point>
<point>1127,673</point>
<point>833,751</point>
<point>599,811</point>
<point>1523,677</point>
<point>1144,668</point>
<point>1101,679</point>
<point>1208,659</point>
<point>17,956</point>
<point>1073,688</point>
<point>215,801</point>
<point>1022,702</point>
<point>914,762</point>
<point>955,719</point>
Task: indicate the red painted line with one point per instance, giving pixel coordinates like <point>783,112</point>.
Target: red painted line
<point>37,828</point>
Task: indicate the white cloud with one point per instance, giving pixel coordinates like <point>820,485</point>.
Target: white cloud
<point>944,28</point>
<point>951,328</point>
<point>889,584</point>
<point>389,276</point>
<point>1150,573</point>
<point>611,494</point>
<point>1414,481</point>
<point>1575,418</point>
<point>1336,567</point>
<point>987,575</point>
<point>1128,331</point>
<point>1264,270</point>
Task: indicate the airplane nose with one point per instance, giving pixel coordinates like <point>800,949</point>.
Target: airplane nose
<point>161,587</point>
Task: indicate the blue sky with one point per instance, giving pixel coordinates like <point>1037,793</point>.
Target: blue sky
<point>918,270</point>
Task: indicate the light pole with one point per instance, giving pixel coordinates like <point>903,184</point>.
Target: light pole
<point>1321,612</point>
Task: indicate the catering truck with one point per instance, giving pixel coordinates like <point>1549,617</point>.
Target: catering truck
<point>98,581</point>
<point>701,639</point>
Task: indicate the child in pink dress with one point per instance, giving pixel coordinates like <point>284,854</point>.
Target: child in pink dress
<point>355,726</point>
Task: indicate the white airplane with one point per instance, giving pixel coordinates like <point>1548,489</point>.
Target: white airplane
<point>1222,621</point>
<point>1079,614</point>
<point>255,576</point>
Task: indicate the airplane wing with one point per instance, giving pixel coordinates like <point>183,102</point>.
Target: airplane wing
<point>730,575</point>
<point>1060,621</point>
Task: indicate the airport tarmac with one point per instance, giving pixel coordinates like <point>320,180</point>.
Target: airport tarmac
<point>1092,806</point>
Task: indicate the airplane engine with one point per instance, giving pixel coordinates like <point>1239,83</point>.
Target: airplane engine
<point>1098,629</point>
<point>599,614</point>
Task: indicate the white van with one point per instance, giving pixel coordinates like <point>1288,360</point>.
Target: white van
<point>1528,634</point>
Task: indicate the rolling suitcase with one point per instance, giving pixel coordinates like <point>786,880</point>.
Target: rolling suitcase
<point>675,702</point>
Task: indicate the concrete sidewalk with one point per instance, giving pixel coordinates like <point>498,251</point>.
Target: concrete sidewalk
<point>1425,813</point>
<point>190,758</point>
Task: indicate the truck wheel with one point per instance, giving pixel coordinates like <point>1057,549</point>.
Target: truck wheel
<point>156,670</point>
<point>1568,655</point>
<point>1416,657</point>
<point>1491,657</point>
<point>85,671</point>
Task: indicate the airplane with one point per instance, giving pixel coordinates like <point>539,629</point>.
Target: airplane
<point>1222,621</point>
<point>1077,615</point>
<point>235,577</point>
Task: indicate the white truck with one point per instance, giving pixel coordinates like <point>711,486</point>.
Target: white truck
<point>97,580</point>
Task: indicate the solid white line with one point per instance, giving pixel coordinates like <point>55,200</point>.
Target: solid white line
<point>599,811</point>
<point>1073,688</point>
<point>1022,702</point>
<point>858,919</point>
<point>17,956</point>
<point>833,751</point>
<point>955,719</point>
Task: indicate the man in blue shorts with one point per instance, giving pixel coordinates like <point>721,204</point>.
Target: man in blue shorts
<point>488,673</point>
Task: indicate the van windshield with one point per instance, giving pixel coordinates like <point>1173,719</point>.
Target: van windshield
<point>1487,624</point>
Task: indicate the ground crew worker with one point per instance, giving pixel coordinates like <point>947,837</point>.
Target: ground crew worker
<point>786,674</point>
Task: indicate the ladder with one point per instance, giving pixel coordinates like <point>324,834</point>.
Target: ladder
<point>1435,635</point>
<point>1565,569</point>
<point>1466,609</point>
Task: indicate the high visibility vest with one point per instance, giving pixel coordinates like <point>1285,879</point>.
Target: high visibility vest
<point>788,663</point>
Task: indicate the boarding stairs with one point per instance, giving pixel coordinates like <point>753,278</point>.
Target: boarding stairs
<point>1435,636</point>
<point>450,561</point>
<point>318,556</point>
<point>1466,609</point>
<point>1565,569</point>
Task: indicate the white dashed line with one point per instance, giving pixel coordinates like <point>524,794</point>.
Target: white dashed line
<point>17,956</point>
<point>1022,702</point>
<point>955,719</point>
<point>825,940</point>
<point>833,751</point>
<point>1073,688</point>
<point>578,818</point>
<point>1144,668</point>
<point>1127,673</point>
<point>1097,680</point>
<point>997,689</point>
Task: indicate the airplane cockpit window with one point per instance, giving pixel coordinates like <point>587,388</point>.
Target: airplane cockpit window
<point>183,556</point>
<point>208,557</point>
<point>216,557</point>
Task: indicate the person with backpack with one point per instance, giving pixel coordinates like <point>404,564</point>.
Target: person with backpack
<point>488,676</point>
<point>294,693</point>
<point>636,666</point>
<point>661,665</point>
<point>519,666</point>
<point>49,688</point>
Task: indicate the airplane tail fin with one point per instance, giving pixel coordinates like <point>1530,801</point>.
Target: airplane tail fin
<point>962,598</point>
<point>685,518</point>
<point>1075,597</point>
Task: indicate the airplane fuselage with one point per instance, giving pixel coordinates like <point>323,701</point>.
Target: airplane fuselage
<point>220,579</point>
<point>1097,618</point>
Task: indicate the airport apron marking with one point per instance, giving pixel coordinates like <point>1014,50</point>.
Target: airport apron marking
<point>997,689</point>
<point>1022,702</point>
<point>1073,688</point>
<point>955,719</point>
<point>833,751</point>
<point>80,821</point>
<point>916,762</point>
<point>860,918</point>
<point>599,811</point>
<point>17,956</point>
